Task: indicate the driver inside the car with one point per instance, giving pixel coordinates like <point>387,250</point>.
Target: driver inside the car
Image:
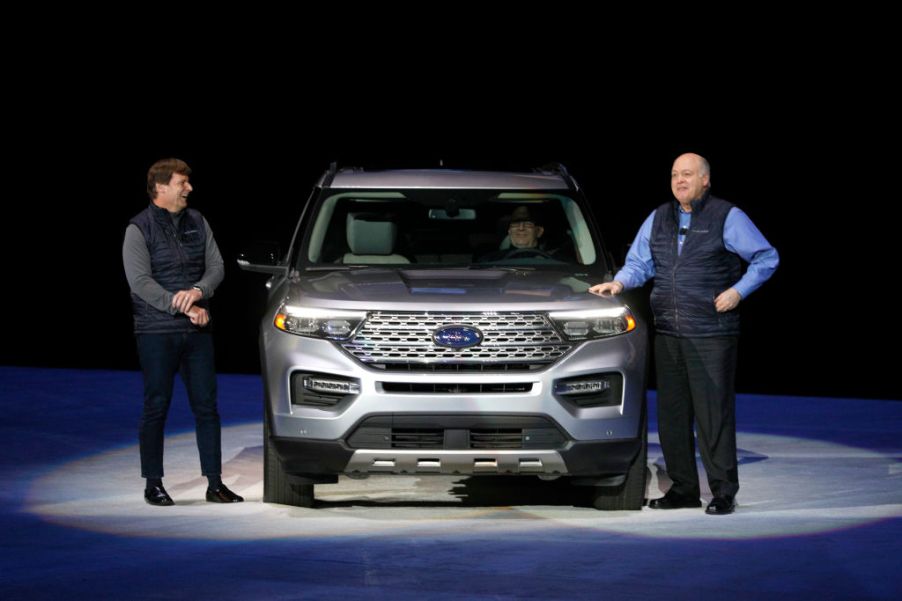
<point>523,240</point>
<point>525,228</point>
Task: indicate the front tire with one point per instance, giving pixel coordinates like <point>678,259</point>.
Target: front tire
<point>629,496</point>
<point>277,486</point>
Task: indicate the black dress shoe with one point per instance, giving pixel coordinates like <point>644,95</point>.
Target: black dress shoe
<point>721,506</point>
<point>223,495</point>
<point>674,501</point>
<point>157,495</point>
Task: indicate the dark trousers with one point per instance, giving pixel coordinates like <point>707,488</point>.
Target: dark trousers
<point>161,357</point>
<point>696,383</point>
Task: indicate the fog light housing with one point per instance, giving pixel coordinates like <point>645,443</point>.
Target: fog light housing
<point>594,386</point>
<point>322,390</point>
<point>591,390</point>
<point>331,386</point>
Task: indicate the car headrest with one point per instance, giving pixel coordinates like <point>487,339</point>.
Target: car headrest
<point>371,234</point>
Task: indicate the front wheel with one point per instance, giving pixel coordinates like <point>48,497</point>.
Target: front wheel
<point>277,487</point>
<point>631,494</point>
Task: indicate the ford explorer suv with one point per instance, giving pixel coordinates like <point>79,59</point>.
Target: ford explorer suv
<point>438,322</point>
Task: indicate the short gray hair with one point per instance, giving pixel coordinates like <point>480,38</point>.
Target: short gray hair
<point>705,167</point>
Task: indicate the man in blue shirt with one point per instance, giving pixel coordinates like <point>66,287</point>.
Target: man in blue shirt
<point>693,248</point>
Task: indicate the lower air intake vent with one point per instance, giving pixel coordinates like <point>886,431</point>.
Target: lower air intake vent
<point>496,439</point>
<point>461,432</point>
<point>402,438</point>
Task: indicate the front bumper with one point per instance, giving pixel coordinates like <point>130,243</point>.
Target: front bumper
<point>587,459</point>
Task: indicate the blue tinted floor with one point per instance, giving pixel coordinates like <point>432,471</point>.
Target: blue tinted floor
<point>818,518</point>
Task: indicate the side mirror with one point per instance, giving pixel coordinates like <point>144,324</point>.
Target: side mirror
<point>261,257</point>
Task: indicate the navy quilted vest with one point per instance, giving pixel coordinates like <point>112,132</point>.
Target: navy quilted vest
<point>177,260</point>
<point>685,285</point>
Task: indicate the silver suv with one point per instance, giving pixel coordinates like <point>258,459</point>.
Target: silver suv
<point>410,330</point>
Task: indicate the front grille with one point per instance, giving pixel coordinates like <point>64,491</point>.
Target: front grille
<point>388,340</point>
<point>455,388</point>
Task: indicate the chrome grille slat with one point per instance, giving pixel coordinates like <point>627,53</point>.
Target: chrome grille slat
<point>455,387</point>
<point>407,338</point>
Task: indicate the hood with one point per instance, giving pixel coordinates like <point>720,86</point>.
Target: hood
<point>395,289</point>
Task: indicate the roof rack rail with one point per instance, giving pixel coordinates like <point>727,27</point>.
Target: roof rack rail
<point>332,171</point>
<point>561,170</point>
<point>330,174</point>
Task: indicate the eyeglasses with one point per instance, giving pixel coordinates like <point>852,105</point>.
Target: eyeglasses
<point>525,225</point>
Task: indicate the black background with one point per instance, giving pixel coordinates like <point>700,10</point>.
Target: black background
<point>788,146</point>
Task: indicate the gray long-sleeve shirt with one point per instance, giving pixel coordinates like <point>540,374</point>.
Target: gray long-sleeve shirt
<point>136,260</point>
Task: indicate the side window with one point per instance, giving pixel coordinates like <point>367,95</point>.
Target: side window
<point>320,230</point>
<point>579,233</point>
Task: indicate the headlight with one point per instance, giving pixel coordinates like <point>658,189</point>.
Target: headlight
<point>594,323</point>
<point>333,324</point>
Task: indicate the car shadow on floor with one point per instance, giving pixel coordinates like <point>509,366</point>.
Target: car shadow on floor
<point>487,491</point>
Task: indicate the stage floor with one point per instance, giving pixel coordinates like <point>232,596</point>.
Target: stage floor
<point>818,517</point>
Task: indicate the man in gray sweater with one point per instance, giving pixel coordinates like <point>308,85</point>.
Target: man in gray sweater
<point>173,266</point>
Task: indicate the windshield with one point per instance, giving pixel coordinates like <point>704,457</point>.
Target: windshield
<point>450,228</point>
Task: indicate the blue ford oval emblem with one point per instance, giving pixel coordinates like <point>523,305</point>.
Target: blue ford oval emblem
<point>457,336</point>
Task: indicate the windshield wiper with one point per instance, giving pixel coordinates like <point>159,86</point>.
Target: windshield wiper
<point>334,267</point>
<point>503,267</point>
